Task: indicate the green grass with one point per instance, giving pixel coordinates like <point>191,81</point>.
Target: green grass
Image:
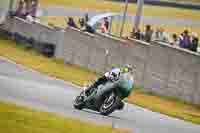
<point>34,60</point>
<point>60,22</point>
<point>188,1</point>
<point>100,5</point>
<point>16,119</point>
<point>79,76</point>
<point>166,105</point>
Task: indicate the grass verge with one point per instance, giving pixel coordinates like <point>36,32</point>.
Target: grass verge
<point>79,76</point>
<point>191,1</point>
<point>61,22</point>
<point>166,105</point>
<point>16,119</point>
<point>36,61</point>
<point>109,6</point>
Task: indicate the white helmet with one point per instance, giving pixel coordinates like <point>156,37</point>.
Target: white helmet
<point>114,74</point>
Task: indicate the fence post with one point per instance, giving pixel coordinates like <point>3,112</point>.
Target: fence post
<point>106,59</point>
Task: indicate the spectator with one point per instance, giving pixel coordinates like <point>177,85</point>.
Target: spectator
<point>86,18</point>
<point>33,9</point>
<point>26,8</point>
<point>164,36</point>
<point>161,35</point>
<point>89,29</point>
<point>19,8</point>
<point>138,34</point>
<point>106,23</point>
<point>22,9</point>
<point>71,22</point>
<point>175,40</point>
<point>194,42</point>
<point>133,32</point>
<point>181,40</point>
<point>155,35</point>
<point>103,28</point>
<point>185,40</point>
<point>82,23</point>
<point>148,33</point>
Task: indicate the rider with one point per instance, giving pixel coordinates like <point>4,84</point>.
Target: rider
<point>123,85</point>
<point>112,75</point>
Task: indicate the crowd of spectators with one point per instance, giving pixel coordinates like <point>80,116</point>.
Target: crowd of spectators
<point>104,26</point>
<point>185,40</point>
<point>82,22</point>
<point>27,9</point>
<point>71,23</point>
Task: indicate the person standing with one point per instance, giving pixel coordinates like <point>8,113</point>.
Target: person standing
<point>175,40</point>
<point>148,33</point>
<point>194,42</point>
<point>186,39</point>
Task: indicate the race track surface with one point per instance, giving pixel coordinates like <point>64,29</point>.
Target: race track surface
<point>32,89</point>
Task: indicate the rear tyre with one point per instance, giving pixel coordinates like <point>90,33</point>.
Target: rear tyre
<point>109,105</point>
<point>121,105</point>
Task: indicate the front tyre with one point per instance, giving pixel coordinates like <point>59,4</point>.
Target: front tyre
<point>78,103</point>
<point>109,105</point>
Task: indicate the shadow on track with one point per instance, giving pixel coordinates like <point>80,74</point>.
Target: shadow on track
<point>97,113</point>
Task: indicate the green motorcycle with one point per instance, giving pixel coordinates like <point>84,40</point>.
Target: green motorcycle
<point>108,102</point>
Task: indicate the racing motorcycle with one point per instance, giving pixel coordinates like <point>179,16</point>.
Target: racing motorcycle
<point>105,104</point>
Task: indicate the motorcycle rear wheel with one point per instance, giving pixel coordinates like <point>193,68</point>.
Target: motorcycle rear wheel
<point>109,106</point>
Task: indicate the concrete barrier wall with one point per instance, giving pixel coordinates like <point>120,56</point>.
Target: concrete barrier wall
<point>160,68</point>
<point>7,24</point>
<point>91,51</point>
<point>173,72</point>
<point>38,32</point>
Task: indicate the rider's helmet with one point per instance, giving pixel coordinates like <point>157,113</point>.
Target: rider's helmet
<point>127,68</point>
<point>114,74</point>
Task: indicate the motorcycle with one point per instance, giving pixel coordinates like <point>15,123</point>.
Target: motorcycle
<point>106,104</point>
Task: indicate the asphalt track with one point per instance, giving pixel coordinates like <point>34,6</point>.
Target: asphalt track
<point>29,88</point>
<point>76,12</point>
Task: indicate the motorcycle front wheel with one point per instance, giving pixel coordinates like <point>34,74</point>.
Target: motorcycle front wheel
<point>78,102</point>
